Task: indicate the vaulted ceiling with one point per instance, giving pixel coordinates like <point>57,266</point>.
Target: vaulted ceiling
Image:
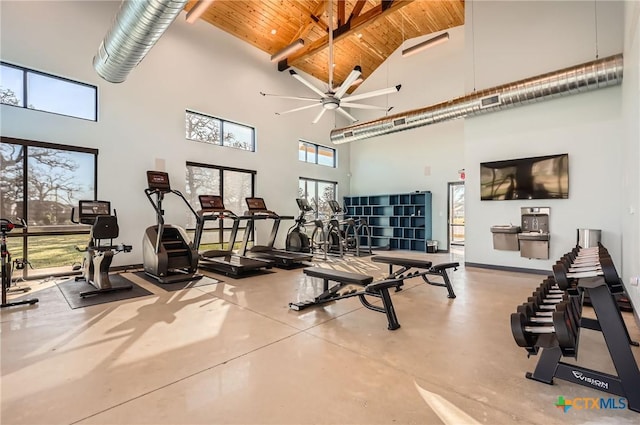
<point>366,32</point>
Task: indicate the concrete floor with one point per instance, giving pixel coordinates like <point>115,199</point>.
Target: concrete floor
<point>235,353</point>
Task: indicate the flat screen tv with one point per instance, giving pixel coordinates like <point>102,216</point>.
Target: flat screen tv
<point>541,177</point>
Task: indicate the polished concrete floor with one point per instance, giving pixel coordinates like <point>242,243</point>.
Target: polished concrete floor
<point>234,353</point>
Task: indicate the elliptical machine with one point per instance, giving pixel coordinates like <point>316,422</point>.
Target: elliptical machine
<point>7,226</point>
<point>98,257</point>
<point>166,254</point>
<point>297,239</point>
<point>344,234</point>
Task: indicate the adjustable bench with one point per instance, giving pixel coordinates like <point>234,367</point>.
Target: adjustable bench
<point>423,268</point>
<point>351,285</point>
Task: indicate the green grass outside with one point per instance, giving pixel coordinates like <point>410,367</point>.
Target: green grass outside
<point>60,251</point>
<point>50,251</point>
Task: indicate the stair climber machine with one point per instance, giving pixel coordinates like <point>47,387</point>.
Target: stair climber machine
<point>281,258</point>
<point>223,261</point>
<point>166,254</point>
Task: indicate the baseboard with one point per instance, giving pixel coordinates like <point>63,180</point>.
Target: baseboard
<point>507,268</point>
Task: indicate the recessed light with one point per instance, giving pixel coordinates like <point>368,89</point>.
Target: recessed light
<point>274,31</point>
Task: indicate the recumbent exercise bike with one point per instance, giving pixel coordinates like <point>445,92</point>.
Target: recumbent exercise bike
<point>98,257</point>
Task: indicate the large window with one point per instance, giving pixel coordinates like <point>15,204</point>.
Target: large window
<point>31,89</point>
<point>208,129</point>
<point>318,193</point>
<point>233,184</point>
<point>316,154</point>
<point>40,183</point>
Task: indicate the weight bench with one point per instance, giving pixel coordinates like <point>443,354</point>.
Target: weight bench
<point>423,268</point>
<point>352,285</point>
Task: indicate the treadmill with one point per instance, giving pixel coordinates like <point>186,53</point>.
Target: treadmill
<point>223,261</point>
<point>281,258</point>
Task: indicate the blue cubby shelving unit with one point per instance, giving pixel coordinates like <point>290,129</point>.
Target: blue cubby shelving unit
<point>400,221</point>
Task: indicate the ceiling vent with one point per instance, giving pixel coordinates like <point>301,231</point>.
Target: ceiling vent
<point>589,76</point>
<point>135,30</point>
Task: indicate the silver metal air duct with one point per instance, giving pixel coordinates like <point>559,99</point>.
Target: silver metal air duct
<point>576,79</point>
<point>137,27</point>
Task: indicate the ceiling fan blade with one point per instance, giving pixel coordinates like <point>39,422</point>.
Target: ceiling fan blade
<point>346,114</point>
<point>374,93</point>
<point>317,118</point>
<point>299,109</point>
<point>361,106</point>
<point>306,83</point>
<point>313,99</point>
<point>347,83</point>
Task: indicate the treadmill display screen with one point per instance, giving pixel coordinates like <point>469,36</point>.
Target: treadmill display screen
<point>211,202</point>
<point>256,204</point>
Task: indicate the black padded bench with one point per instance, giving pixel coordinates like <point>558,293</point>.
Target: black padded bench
<point>422,268</point>
<point>351,285</point>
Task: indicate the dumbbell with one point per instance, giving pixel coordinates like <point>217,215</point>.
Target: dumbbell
<point>540,303</point>
<point>526,331</point>
<point>545,301</point>
<point>534,315</point>
<point>567,328</point>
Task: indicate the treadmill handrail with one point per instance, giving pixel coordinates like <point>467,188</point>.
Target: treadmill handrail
<point>217,213</point>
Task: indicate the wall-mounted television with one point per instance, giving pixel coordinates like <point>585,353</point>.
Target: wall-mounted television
<point>540,177</point>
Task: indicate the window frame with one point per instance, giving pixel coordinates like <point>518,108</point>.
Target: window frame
<point>222,123</point>
<point>25,234</point>
<point>316,149</point>
<point>315,182</point>
<point>25,91</point>
<point>221,169</point>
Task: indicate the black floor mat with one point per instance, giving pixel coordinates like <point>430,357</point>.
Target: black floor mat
<point>71,291</point>
<point>178,285</point>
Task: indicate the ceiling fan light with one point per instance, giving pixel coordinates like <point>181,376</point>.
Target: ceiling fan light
<point>330,103</point>
<point>288,50</point>
<point>425,44</point>
<point>196,11</point>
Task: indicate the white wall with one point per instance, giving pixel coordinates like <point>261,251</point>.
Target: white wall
<point>504,48</point>
<point>192,66</point>
<point>631,153</point>
<point>426,158</point>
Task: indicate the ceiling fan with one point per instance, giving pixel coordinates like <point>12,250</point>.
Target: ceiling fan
<point>334,97</point>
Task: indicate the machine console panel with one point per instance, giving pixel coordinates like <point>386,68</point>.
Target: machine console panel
<point>158,180</point>
<point>335,206</point>
<point>304,205</point>
<point>256,205</point>
<point>211,203</point>
<point>89,210</point>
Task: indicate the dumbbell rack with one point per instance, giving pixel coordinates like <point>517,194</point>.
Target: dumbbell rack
<point>627,382</point>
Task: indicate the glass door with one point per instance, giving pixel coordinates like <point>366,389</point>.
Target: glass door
<point>456,214</point>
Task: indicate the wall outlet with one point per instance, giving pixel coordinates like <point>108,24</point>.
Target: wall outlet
<point>633,281</point>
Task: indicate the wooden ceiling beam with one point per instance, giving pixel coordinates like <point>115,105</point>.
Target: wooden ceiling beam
<point>357,8</point>
<point>341,12</point>
<point>313,18</point>
<point>350,27</point>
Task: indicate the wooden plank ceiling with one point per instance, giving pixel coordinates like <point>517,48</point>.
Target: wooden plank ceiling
<point>366,32</point>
